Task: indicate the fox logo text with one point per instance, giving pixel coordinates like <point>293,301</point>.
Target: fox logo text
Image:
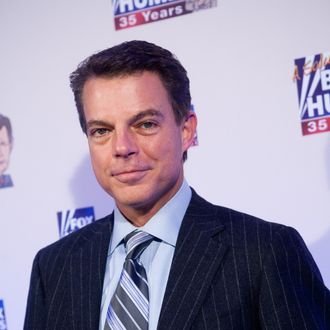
<point>73,220</point>
<point>312,76</point>
<point>129,13</point>
<point>3,324</point>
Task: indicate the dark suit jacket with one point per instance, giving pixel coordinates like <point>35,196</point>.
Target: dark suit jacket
<point>229,271</point>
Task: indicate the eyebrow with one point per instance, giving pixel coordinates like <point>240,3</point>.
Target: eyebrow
<point>133,119</point>
<point>95,122</point>
<point>146,113</point>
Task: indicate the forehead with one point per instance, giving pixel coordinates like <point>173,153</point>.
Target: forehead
<point>125,95</point>
<point>135,82</point>
<point>4,136</point>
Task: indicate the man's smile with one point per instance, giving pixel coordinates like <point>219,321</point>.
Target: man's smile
<point>130,176</point>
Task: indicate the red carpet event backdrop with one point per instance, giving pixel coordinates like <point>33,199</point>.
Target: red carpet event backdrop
<point>260,82</point>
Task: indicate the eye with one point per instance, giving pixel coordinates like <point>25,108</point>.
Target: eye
<point>99,132</point>
<point>148,125</point>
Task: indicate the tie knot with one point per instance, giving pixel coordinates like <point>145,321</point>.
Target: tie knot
<point>136,242</point>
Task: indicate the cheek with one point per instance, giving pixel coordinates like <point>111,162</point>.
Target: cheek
<point>173,144</point>
<point>99,160</point>
<point>4,154</point>
<point>168,151</point>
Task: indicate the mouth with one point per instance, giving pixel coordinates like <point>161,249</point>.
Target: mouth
<point>130,176</point>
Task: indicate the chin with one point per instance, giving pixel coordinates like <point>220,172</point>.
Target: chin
<point>128,193</point>
<point>135,197</point>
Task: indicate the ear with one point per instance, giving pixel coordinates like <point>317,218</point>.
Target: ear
<point>188,130</point>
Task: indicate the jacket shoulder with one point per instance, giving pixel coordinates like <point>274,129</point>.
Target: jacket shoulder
<point>241,227</point>
<point>76,240</point>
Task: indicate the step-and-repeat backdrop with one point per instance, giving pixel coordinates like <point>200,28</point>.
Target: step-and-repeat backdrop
<point>260,80</point>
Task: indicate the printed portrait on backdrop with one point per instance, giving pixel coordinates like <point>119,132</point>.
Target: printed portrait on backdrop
<point>6,145</point>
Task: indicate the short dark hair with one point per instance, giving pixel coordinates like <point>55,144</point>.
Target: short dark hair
<point>5,122</point>
<point>133,57</point>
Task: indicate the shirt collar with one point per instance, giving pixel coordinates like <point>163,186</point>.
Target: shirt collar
<point>165,224</point>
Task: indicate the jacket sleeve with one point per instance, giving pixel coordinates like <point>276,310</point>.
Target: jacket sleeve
<point>36,303</point>
<point>292,293</point>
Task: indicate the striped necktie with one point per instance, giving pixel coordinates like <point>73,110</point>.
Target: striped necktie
<point>129,306</point>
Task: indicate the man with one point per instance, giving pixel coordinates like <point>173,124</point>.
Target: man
<point>194,265</point>
<point>6,144</point>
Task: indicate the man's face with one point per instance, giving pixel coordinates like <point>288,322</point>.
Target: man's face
<point>135,143</point>
<point>5,148</point>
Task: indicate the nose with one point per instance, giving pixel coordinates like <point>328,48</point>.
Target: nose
<point>124,144</point>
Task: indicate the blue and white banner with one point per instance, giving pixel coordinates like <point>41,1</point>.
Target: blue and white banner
<point>312,75</point>
<point>130,13</point>
<point>72,220</point>
<point>3,323</point>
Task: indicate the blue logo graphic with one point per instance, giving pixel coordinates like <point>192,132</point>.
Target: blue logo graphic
<point>130,13</point>
<point>3,323</point>
<point>73,220</point>
<point>312,76</point>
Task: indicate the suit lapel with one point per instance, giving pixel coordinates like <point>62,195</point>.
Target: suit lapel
<point>87,268</point>
<point>198,253</point>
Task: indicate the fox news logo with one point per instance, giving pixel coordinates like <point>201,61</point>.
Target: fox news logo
<point>312,76</point>
<point>73,220</point>
<point>129,13</point>
<point>3,324</point>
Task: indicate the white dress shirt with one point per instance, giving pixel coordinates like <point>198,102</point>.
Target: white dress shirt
<point>157,258</point>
